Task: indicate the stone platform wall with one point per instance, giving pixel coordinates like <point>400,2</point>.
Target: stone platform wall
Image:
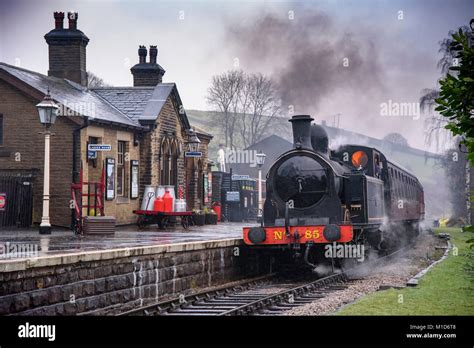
<point>107,282</point>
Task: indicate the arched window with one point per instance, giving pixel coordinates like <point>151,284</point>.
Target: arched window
<point>169,162</point>
<point>165,162</point>
<point>174,154</point>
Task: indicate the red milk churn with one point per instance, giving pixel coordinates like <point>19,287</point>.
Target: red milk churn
<point>216,206</point>
<point>159,204</point>
<point>168,202</point>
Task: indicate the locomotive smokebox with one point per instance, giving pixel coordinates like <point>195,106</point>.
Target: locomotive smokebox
<point>301,131</point>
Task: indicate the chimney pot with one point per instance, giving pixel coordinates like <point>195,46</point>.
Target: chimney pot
<point>153,54</point>
<point>58,20</point>
<point>142,52</point>
<point>72,17</point>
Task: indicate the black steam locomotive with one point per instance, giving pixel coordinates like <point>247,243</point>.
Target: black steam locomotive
<point>352,195</point>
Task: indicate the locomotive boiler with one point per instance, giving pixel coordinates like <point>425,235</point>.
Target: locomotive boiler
<point>353,195</point>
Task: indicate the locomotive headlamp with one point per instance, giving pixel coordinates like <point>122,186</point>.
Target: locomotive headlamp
<point>332,233</point>
<point>257,235</point>
<point>359,159</point>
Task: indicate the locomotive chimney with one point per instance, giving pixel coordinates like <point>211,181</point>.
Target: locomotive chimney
<point>301,131</point>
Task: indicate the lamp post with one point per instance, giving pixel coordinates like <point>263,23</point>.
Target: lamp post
<point>48,110</point>
<point>260,158</point>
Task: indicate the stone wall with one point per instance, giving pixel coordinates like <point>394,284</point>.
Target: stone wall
<point>114,281</point>
<point>23,152</point>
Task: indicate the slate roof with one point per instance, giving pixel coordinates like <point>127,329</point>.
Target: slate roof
<point>129,100</point>
<point>72,95</point>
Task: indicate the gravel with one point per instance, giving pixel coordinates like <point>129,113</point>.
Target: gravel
<point>393,273</point>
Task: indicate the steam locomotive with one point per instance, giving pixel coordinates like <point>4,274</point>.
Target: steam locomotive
<point>353,195</point>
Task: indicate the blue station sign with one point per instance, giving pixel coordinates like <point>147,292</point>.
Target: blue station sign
<point>99,147</point>
<point>193,154</point>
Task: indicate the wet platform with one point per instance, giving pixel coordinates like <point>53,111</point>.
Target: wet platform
<point>31,246</point>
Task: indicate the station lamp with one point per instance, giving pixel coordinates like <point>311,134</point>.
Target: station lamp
<point>48,111</point>
<point>193,141</point>
<point>260,159</point>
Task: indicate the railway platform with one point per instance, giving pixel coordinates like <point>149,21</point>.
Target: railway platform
<point>68,275</point>
<point>63,242</point>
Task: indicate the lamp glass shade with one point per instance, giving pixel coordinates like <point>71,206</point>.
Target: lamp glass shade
<point>48,111</point>
<point>193,142</point>
<point>260,158</point>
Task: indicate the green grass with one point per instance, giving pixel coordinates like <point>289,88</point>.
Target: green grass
<point>445,290</point>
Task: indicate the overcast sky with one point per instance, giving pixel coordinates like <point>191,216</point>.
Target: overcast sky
<point>396,51</point>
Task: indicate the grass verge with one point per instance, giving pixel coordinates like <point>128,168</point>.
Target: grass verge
<point>447,289</point>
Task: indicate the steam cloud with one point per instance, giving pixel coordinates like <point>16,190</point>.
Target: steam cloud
<point>307,57</point>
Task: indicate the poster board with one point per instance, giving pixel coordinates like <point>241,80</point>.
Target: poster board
<point>110,179</point>
<point>134,179</point>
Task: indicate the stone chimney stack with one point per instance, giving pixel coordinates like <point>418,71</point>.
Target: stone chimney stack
<point>147,74</point>
<point>67,49</point>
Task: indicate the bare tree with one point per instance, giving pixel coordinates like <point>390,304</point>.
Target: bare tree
<point>95,81</point>
<point>263,107</point>
<point>222,95</point>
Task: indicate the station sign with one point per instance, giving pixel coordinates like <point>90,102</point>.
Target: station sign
<point>236,177</point>
<point>193,154</point>
<point>3,201</point>
<point>91,154</point>
<point>99,147</point>
<point>232,196</point>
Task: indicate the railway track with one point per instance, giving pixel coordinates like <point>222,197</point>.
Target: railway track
<point>261,296</point>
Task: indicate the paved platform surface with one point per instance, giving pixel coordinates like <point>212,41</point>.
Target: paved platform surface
<point>63,242</point>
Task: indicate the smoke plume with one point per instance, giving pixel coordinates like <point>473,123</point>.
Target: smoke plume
<point>311,59</point>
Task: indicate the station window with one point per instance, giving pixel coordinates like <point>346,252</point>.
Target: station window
<point>121,171</point>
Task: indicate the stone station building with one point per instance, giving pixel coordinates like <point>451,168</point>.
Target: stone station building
<point>145,125</point>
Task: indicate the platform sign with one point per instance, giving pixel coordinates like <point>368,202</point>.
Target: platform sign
<point>91,154</point>
<point>232,196</point>
<point>99,147</point>
<point>236,177</point>
<point>3,201</point>
<point>193,154</point>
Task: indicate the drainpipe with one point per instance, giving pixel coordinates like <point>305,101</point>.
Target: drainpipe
<point>75,132</point>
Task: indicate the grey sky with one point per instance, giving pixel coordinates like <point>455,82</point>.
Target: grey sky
<point>193,49</point>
